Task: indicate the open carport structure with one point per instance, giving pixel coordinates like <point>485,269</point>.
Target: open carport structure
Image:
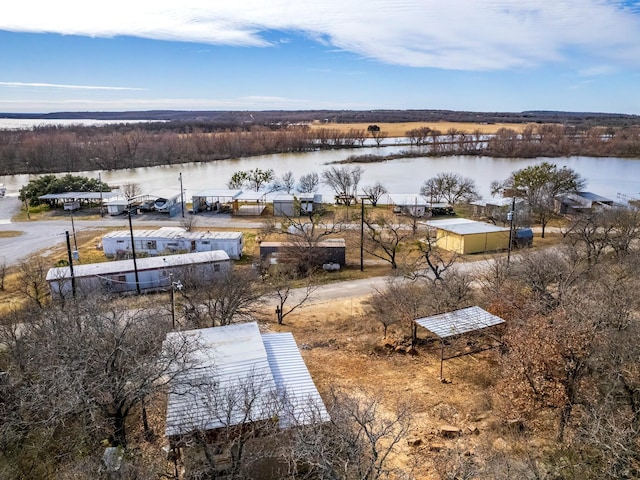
<point>450,325</point>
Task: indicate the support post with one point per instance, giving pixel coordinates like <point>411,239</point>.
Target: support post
<point>362,234</point>
<point>73,277</point>
<point>133,251</point>
<point>100,186</point>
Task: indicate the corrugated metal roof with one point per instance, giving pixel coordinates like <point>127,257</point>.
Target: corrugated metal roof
<point>459,321</point>
<point>408,200</point>
<point>172,233</point>
<point>235,366</point>
<point>218,193</point>
<point>464,226</point>
<point>293,381</point>
<point>145,263</point>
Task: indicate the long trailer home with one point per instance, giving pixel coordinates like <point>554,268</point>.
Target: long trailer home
<point>172,240</point>
<point>154,273</point>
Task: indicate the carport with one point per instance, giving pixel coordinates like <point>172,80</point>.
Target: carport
<point>450,325</point>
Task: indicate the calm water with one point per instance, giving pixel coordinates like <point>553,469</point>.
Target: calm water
<point>605,176</point>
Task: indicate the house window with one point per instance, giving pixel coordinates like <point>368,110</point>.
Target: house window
<point>151,245</point>
<point>216,267</point>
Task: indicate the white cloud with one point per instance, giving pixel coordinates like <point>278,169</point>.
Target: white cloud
<point>457,34</point>
<point>63,86</point>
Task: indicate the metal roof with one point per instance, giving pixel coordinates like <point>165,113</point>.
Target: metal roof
<point>293,381</point>
<point>78,196</point>
<point>234,361</point>
<point>408,200</point>
<point>145,263</point>
<point>252,196</point>
<point>464,226</point>
<point>459,321</point>
<point>217,193</point>
<point>170,233</point>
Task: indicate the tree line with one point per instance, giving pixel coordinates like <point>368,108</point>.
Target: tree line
<point>69,149</point>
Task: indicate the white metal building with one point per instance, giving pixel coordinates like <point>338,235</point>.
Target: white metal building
<point>172,240</point>
<point>153,273</point>
<point>229,358</point>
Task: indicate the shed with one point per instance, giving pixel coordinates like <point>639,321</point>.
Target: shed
<point>465,236</point>
<point>226,361</point>
<point>117,205</point>
<point>173,240</point>
<point>284,205</point>
<point>331,250</point>
<point>580,202</point>
<point>119,276</point>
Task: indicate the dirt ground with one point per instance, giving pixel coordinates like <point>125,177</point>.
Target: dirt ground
<point>344,348</point>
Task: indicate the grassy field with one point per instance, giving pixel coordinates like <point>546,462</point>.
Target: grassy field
<point>400,129</point>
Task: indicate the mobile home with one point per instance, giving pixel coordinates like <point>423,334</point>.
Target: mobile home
<point>172,240</point>
<point>154,273</point>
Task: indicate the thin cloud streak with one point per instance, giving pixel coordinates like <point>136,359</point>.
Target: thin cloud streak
<point>68,87</point>
<point>455,35</point>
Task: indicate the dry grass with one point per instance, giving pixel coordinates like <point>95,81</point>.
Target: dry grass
<point>10,233</point>
<point>400,129</point>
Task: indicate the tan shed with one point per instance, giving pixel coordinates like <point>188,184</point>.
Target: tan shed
<point>466,236</point>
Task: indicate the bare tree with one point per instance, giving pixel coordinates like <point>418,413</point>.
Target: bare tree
<point>227,298</point>
<point>374,192</point>
<point>281,279</point>
<point>451,187</point>
<point>343,181</point>
<point>131,190</point>
<point>288,181</point>
<point>32,274</point>
<point>384,236</point>
<point>309,183</point>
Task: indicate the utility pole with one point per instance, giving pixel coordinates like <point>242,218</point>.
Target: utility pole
<point>362,234</point>
<point>181,194</point>
<point>133,251</point>
<point>510,218</point>
<point>100,185</point>
<point>73,278</point>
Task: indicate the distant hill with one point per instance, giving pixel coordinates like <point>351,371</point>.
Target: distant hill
<point>345,116</point>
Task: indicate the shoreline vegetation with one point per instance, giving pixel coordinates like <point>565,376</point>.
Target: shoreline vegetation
<point>55,149</point>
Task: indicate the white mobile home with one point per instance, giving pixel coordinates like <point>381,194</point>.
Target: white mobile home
<point>153,273</point>
<point>172,240</point>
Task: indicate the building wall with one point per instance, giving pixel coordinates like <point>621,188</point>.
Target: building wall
<point>472,243</point>
<point>158,246</point>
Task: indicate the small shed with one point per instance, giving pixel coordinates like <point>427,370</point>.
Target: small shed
<point>284,205</point>
<point>331,250</point>
<point>117,205</point>
<point>233,361</point>
<point>465,236</point>
<point>173,240</point>
<point>119,276</point>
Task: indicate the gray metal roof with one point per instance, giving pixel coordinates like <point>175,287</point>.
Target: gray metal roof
<point>235,363</point>
<point>293,381</point>
<point>459,321</point>
<point>218,193</point>
<point>171,233</point>
<point>145,263</point>
<point>78,196</point>
<point>464,226</point>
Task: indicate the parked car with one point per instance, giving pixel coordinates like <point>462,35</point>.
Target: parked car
<point>147,206</point>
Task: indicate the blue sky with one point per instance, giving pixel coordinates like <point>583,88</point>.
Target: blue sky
<point>478,55</point>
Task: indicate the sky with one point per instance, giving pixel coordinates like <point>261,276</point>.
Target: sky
<point>473,55</point>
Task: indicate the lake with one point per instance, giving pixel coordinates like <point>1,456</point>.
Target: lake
<point>605,176</point>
